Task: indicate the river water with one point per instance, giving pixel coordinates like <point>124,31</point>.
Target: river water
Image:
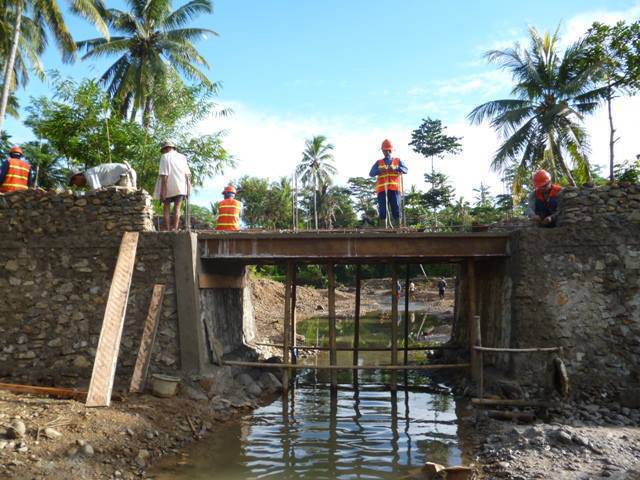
<point>361,430</point>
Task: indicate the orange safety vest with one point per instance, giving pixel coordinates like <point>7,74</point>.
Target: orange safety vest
<point>388,179</point>
<point>17,177</point>
<point>228,214</point>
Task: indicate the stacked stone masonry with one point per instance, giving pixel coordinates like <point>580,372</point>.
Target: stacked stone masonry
<point>57,256</point>
<point>577,286</point>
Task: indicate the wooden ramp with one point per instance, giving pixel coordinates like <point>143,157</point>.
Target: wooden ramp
<point>104,366</point>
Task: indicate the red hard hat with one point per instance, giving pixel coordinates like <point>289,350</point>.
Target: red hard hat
<point>16,150</point>
<point>386,145</point>
<point>541,178</point>
<point>229,189</point>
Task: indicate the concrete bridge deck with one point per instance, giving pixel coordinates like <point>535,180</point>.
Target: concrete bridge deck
<point>358,246</point>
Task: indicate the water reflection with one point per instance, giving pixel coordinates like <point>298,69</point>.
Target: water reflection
<point>359,430</point>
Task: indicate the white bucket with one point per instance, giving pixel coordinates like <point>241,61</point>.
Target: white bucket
<point>164,385</point>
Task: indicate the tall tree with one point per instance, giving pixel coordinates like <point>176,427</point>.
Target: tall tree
<point>45,13</point>
<point>265,204</point>
<point>153,42</point>
<point>431,141</point>
<point>614,52</point>
<point>362,189</point>
<point>543,125</point>
<point>316,167</point>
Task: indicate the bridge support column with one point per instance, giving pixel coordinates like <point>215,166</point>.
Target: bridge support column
<point>193,355</point>
<point>394,323</point>
<point>333,354</point>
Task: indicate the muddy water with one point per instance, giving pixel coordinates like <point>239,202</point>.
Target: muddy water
<point>366,432</point>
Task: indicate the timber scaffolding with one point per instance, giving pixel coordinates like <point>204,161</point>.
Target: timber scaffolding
<point>221,252</point>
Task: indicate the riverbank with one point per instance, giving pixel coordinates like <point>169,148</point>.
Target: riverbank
<point>61,439</point>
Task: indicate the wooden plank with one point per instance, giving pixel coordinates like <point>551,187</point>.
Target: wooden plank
<point>239,363</point>
<point>517,350</point>
<point>55,392</point>
<point>286,331</point>
<point>510,403</point>
<point>361,349</point>
<point>139,377</point>
<point>333,355</point>
<point>104,366</point>
<point>214,280</point>
<point>356,328</point>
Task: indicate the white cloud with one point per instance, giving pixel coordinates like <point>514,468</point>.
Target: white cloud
<point>268,145</point>
<point>271,146</point>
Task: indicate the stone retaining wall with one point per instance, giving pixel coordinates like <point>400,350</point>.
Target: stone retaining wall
<point>57,256</point>
<point>578,286</point>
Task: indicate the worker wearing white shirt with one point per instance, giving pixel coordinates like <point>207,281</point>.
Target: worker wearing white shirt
<point>173,183</point>
<point>105,175</point>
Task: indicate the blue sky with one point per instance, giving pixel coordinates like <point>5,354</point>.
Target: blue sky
<point>359,71</point>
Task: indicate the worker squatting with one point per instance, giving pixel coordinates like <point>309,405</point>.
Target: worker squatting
<point>173,186</point>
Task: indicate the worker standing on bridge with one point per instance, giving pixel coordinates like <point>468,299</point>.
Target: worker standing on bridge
<point>173,184</point>
<point>389,182</point>
<point>229,210</point>
<point>543,201</point>
<point>15,172</point>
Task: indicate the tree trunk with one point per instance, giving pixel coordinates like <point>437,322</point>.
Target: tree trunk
<point>612,132</point>
<point>146,115</point>
<point>6,88</point>
<point>315,203</point>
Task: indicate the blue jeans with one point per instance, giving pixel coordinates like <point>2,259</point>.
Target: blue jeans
<point>394,203</point>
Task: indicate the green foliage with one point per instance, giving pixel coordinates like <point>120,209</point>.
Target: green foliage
<point>265,205</point>
<point>542,126</point>
<point>440,194</point>
<point>430,140</point>
<point>51,172</point>
<point>362,192</point>
<point>154,45</point>
<point>82,129</point>
<point>316,168</point>
<point>628,171</point>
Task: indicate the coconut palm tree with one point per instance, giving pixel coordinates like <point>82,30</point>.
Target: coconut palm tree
<point>316,167</point>
<point>543,125</point>
<point>32,18</point>
<point>152,43</point>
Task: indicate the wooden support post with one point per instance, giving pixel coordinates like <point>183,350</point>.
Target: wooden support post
<point>333,356</point>
<point>406,315</point>
<point>294,327</point>
<point>480,367</point>
<point>139,377</point>
<point>394,322</point>
<point>104,365</point>
<point>356,327</point>
<point>471,319</point>
<point>286,333</point>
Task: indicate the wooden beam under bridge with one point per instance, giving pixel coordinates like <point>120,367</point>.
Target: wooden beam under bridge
<point>350,247</point>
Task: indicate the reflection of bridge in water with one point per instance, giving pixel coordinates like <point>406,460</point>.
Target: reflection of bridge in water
<point>220,258</point>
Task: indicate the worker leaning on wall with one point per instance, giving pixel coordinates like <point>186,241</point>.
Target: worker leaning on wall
<point>15,172</point>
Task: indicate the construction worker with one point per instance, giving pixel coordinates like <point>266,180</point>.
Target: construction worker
<point>105,175</point>
<point>173,184</point>
<point>412,291</point>
<point>543,201</point>
<point>389,182</point>
<point>229,210</point>
<point>15,172</point>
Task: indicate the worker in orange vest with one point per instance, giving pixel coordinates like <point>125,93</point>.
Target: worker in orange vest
<point>15,172</point>
<point>229,210</point>
<point>389,182</point>
<point>543,201</point>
